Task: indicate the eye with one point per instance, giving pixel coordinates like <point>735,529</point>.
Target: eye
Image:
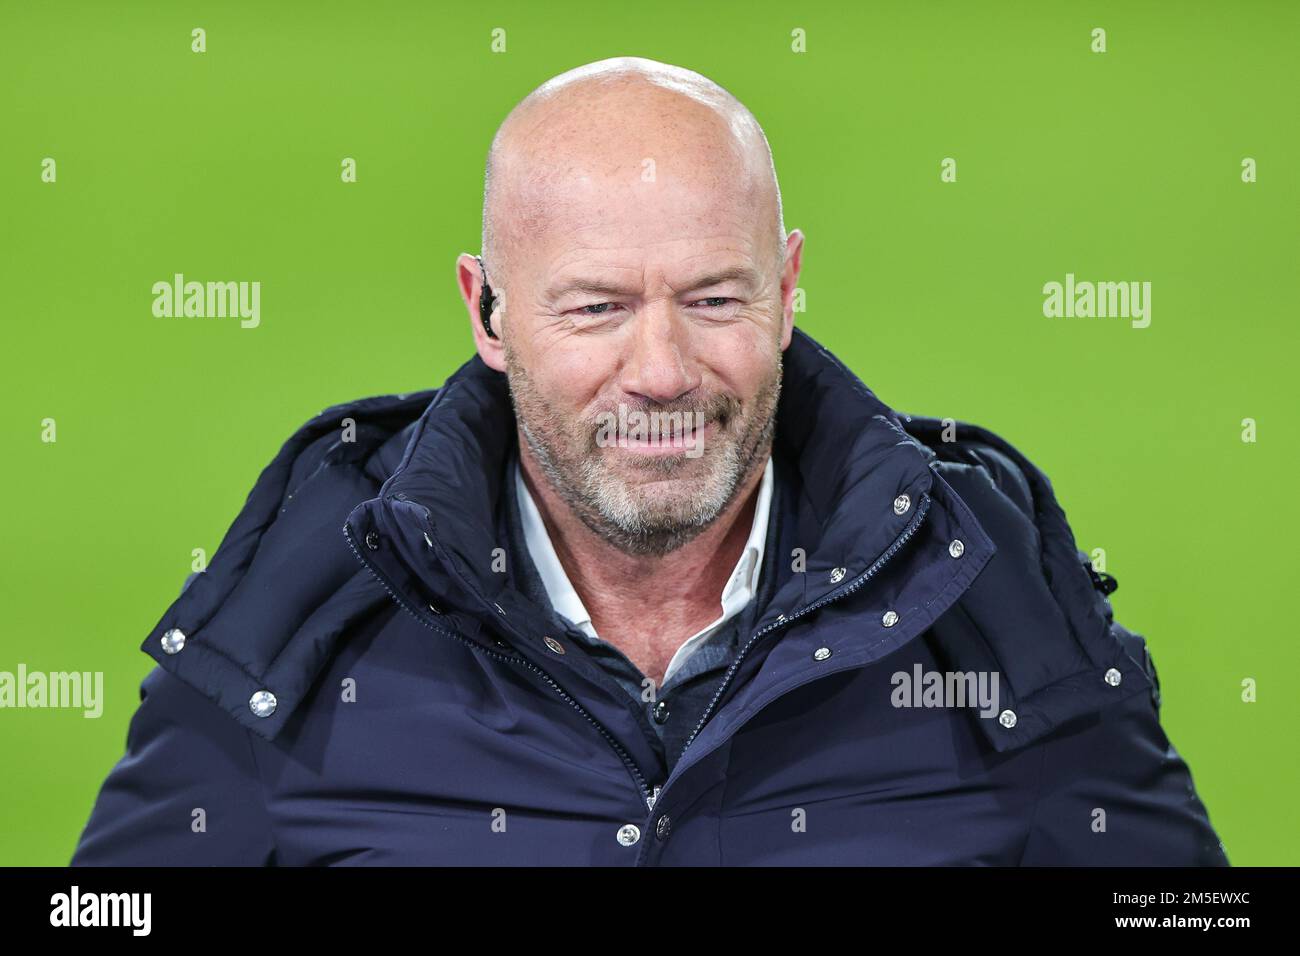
<point>714,302</point>
<point>600,308</point>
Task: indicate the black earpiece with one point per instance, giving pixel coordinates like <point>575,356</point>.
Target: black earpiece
<point>486,301</point>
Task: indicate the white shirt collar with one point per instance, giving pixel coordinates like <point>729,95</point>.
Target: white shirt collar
<point>740,587</point>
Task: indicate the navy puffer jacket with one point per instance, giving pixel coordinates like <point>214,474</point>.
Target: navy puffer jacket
<point>350,682</point>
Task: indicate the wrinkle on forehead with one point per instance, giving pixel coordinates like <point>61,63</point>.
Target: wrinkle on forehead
<point>599,123</point>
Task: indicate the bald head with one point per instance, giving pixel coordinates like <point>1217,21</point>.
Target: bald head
<point>636,127</point>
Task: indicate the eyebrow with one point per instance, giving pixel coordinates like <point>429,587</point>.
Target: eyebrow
<point>595,286</point>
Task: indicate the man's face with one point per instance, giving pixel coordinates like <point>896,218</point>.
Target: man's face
<point>646,297</point>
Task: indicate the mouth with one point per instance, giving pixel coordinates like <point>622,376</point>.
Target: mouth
<point>687,440</point>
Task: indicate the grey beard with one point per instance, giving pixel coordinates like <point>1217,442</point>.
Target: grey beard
<point>623,525</point>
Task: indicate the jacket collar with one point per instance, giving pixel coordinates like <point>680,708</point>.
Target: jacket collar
<point>431,532</point>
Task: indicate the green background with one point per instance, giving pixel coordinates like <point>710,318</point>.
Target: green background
<point>225,166</point>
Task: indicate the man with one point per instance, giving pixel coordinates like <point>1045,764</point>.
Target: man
<point>652,579</point>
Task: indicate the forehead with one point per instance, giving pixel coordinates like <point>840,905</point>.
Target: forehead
<point>671,206</point>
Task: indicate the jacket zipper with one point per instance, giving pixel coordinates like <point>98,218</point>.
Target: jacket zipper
<point>646,794</point>
<point>921,511</point>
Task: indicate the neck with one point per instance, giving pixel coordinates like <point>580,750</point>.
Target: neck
<point>646,604</point>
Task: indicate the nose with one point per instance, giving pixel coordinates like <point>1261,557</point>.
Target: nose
<point>660,366</point>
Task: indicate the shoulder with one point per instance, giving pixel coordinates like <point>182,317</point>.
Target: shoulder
<point>972,447</point>
<point>357,443</point>
<point>1038,608</point>
<point>1010,495</point>
<point>979,461</point>
<point>348,448</point>
<point>283,575</point>
<point>369,434</point>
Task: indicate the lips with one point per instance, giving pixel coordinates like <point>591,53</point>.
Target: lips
<point>658,431</point>
<point>677,441</point>
<point>676,436</point>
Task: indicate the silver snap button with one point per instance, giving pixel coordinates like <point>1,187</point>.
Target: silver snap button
<point>956,548</point>
<point>1007,719</point>
<point>1113,677</point>
<point>372,540</point>
<point>554,645</point>
<point>663,828</point>
<point>262,703</point>
<point>628,834</point>
<point>821,654</point>
<point>173,641</point>
<point>901,504</point>
<point>837,575</point>
<point>889,619</point>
